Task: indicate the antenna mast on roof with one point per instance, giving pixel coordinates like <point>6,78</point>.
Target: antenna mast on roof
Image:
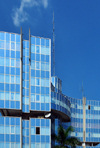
<point>53,47</point>
<point>82,90</point>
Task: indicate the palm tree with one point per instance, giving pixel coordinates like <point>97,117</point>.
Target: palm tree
<point>63,138</point>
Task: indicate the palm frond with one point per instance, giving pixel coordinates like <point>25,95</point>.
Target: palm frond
<point>69,130</point>
<point>73,141</point>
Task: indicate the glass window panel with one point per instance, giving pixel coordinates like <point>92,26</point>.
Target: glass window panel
<point>33,98</point>
<point>47,83</point>
<point>47,42</point>
<point>17,96</point>
<point>33,48</point>
<point>2,35</point>
<point>18,46</point>
<point>32,81</point>
<point>2,78</point>
<point>32,64</point>
<point>42,82</point>
<point>37,65</point>
<point>47,130</point>
<point>12,129</point>
<point>13,37</point>
<point>37,49</point>
<point>42,130</point>
<point>1,96</point>
<point>12,54</point>
<point>17,79</point>
<point>43,66</point>
<point>17,88</point>
<point>12,62</point>
<point>12,96</point>
<point>7,45</point>
<point>43,57</point>
<point>47,51</point>
<point>12,79</point>
<point>17,54</point>
<point>42,98</point>
<point>2,44</point>
<point>37,97</point>
<point>26,100</point>
<point>17,71</point>
<point>47,66</point>
<point>47,58</point>
<point>1,53</point>
<point>7,62</point>
<point>12,45</point>
<point>7,129</point>
<point>7,145</point>
<point>1,129</point>
<point>37,81</point>
<point>17,130</point>
<point>33,131</point>
<point>17,63</point>
<point>17,38</point>
<point>37,41</point>
<point>7,78</point>
<point>43,42</point>
<point>32,40</point>
<point>7,53</point>
<point>7,37</point>
<point>2,61</point>
<point>7,96</point>
<point>37,57</point>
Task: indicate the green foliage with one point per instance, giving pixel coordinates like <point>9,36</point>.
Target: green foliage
<point>64,139</point>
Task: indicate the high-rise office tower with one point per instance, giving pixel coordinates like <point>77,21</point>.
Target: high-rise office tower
<point>32,104</point>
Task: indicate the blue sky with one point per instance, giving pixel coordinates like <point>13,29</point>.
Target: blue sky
<point>77,38</point>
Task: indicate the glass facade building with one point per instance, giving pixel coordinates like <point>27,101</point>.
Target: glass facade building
<point>32,105</point>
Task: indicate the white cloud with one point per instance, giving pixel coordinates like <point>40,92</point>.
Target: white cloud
<point>20,15</point>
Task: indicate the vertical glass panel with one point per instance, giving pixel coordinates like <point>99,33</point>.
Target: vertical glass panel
<point>47,42</point>
<point>37,81</point>
<point>13,37</point>
<point>12,45</point>
<point>37,49</point>
<point>7,78</point>
<point>18,46</point>
<point>12,96</point>
<point>32,40</point>
<point>7,37</point>
<point>37,97</point>
<point>43,42</point>
<point>12,62</point>
<point>33,98</point>
<point>1,44</point>
<point>37,41</point>
<point>37,65</point>
<point>33,131</point>
<point>7,62</point>
<point>33,48</point>
<point>2,36</point>
<point>2,78</point>
<point>6,96</point>
<point>7,45</point>
<point>17,38</point>
<point>12,129</point>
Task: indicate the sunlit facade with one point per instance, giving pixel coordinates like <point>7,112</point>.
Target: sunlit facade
<point>32,105</point>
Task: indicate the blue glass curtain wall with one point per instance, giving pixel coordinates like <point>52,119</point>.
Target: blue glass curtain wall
<point>10,71</point>
<point>40,74</point>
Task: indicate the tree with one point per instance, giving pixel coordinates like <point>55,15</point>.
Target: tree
<point>63,138</point>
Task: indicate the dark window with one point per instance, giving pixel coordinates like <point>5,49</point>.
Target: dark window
<point>37,130</point>
<point>89,107</point>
